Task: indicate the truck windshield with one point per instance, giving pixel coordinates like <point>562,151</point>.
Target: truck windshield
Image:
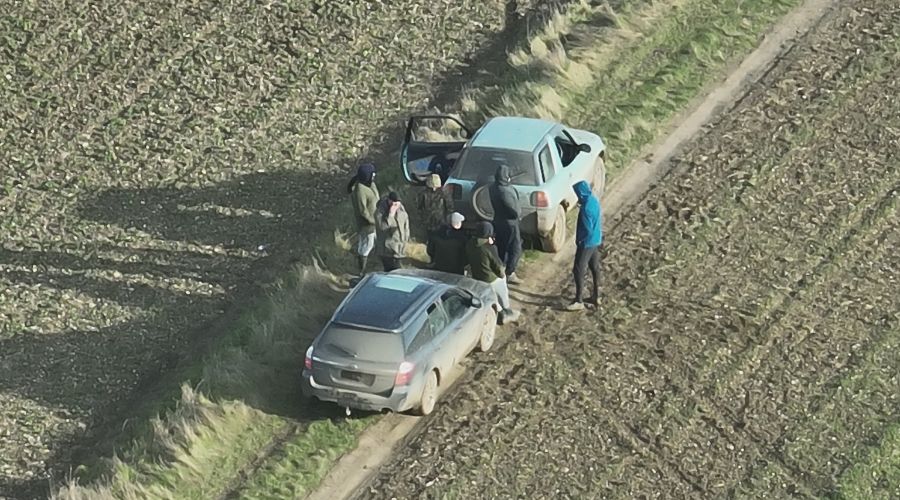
<point>480,164</point>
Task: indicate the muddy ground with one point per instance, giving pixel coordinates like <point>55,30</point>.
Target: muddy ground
<point>747,341</point>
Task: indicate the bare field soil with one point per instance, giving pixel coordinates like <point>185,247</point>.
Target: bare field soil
<point>157,157</point>
<point>747,341</point>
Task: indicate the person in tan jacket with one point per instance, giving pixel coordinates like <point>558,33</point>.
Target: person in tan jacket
<point>391,231</point>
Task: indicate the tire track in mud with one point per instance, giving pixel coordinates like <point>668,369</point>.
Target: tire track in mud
<point>658,415</point>
<point>746,434</point>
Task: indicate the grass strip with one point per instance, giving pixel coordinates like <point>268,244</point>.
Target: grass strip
<point>878,476</point>
<point>202,443</point>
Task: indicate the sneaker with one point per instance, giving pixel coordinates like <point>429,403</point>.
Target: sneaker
<point>594,301</point>
<point>512,279</point>
<point>509,316</point>
<point>575,306</point>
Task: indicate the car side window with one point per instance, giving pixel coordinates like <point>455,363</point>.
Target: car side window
<point>455,305</point>
<point>545,158</point>
<point>435,321</point>
<point>567,150</point>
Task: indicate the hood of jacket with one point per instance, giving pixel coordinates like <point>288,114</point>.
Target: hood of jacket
<point>582,191</point>
<point>365,173</point>
<point>484,230</point>
<point>503,175</point>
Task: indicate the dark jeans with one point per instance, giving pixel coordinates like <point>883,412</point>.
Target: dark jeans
<point>390,263</point>
<point>509,244</point>
<point>586,258</point>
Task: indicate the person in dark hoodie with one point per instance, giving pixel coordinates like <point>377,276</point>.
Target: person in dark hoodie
<point>486,266</point>
<point>588,237</point>
<point>447,246</point>
<point>391,231</point>
<point>364,197</point>
<point>505,201</point>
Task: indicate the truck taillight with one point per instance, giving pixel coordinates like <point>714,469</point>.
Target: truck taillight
<point>540,199</point>
<point>404,373</point>
<point>455,191</point>
<point>307,363</point>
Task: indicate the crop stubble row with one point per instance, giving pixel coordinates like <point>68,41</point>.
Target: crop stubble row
<point>776,224</point>
<point>145,160</point>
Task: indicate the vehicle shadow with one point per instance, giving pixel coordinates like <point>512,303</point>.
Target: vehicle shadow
<point>235,237</point>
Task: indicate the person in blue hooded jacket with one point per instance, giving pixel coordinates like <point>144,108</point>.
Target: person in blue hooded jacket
<point>588,237</point>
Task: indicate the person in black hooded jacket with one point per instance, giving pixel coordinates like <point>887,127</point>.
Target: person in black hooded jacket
<point>505,201</point>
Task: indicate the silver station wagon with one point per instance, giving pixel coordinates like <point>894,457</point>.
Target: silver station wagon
<point>394,339</point>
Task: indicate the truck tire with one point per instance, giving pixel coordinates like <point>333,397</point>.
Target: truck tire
<point>555,241</point>
<point>481,202</point>
<point>598,181</point>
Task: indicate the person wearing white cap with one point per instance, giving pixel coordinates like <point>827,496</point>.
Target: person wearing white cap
<point>447,246</point>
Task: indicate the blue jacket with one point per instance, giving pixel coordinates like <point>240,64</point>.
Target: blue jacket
<point>589,231</point>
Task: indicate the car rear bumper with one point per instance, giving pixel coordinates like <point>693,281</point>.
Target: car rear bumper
<point>398,401</point>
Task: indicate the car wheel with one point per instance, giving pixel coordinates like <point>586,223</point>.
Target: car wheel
<point>598,182</point>
<point>488,332</point>
<point>429,394</point>
<point>554,241</point>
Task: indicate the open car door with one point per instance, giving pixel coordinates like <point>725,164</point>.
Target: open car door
<point>432,145</point>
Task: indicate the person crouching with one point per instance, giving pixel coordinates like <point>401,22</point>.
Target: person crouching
<point>447,246</point>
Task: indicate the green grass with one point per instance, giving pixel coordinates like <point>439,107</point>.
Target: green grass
<point>877,477</point>
<point>250,376</point>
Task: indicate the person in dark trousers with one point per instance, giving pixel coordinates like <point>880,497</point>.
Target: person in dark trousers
<point>364,197</point>
<point>486,266</point>
<point>391,231</point>
<point>588,237</point>
<point>447,246</point>
<point>505,200</point>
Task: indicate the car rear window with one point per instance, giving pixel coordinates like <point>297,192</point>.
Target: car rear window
<point>480,164</point>
<point>381,302</point>
<point>361,344</point>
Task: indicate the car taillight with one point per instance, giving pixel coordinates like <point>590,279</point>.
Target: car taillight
<point>404,373</point>
<point>540,199</point>
<point>455,191</point>
<point>308,361</point>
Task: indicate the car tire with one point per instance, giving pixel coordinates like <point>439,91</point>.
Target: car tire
<point>429,394</point>
<point>488,332</point>
<point>598,181</point>
<point>555,241</point>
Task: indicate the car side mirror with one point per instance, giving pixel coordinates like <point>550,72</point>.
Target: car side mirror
<point>584,148</point>
<point>475,302</point>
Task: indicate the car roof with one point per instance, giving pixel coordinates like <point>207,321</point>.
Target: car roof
<point>386,302</point>
<point>512,132</point>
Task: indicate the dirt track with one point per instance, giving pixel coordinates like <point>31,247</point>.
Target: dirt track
<point>748,338</point>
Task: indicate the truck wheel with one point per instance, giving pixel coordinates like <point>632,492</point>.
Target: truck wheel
<point>555,241</point>
<point>598,181</point>
<point>481,202</point>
